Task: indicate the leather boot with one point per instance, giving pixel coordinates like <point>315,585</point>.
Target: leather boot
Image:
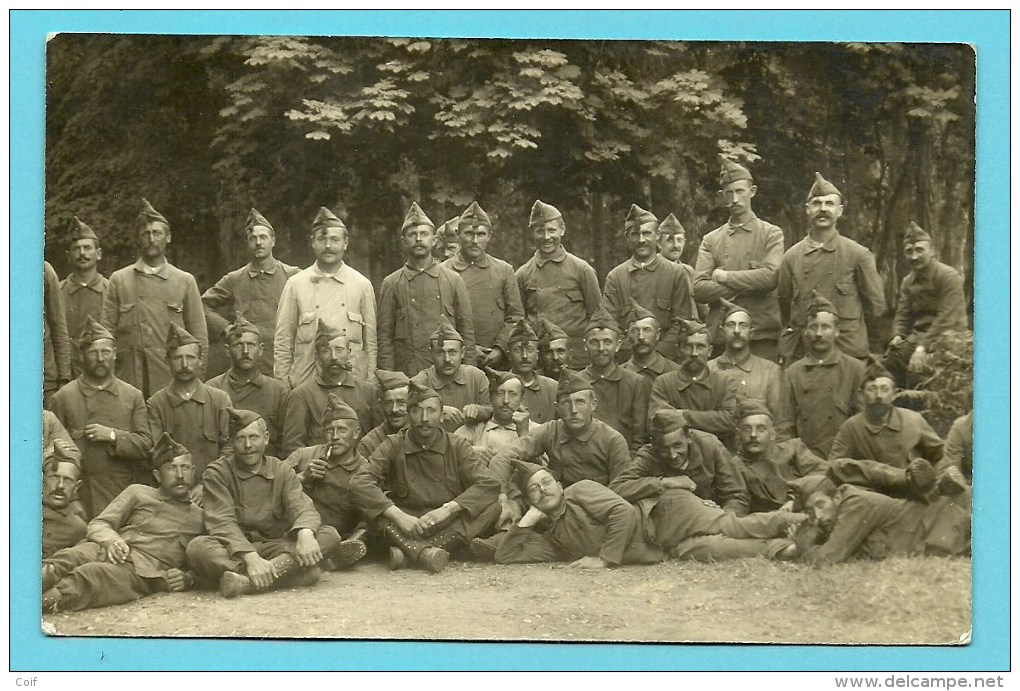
<point>50,599</point>
<point>348,552</point>
<point>233,584</point>
<point>421,553</point>
<point>49,577</point>
<point>484,549</point>
<point>448,540</point>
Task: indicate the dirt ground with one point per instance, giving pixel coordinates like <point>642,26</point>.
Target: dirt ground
<point>899,601</point>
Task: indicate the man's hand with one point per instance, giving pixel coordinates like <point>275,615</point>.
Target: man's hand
<point>316,470</point>
<point>918,361</point>
<point>589,563</point>
<point>452,416</point>
<point>178,580</point>
<point>522,420</point>
<point>261,572</point>
<point>719,276</point>
<point>405,523</point>
<point>195,494</point>
<point>492,356</point>
<point>896,340</point>
<point>710,503</point>
<point>787,507</point>
<point>117,551</point>
<point>307,550</point>
<point>100,433</point>
<point>678,482</point>
<point>509,512</point>
<point>432,520</point>
<point>483,453</point>
<point>530,518</point>
<point>472,412</point>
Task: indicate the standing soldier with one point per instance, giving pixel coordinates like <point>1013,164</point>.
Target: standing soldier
<point>328,289</point>
<point>253,291</point>
<point>56,343</point>
<point>463,387</point>
<point>84,288</point>
<point>106,418</point>
<point>247,387</point>
<point>492,287</point>
<point>557,285</point>
<point>931,302</point>
<point>654,283</point>
<point>839,269</point>
<point>740,261</point>
<point>142,302</point>
<point>414,296</point>
<point>192,412</point>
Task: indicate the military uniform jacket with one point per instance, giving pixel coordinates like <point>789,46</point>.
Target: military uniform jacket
<point>709,465</point>
<point>959,450</point>
<point>844,273</point>
<point>200,423</point>
<point>899,440</point>
<point>469,385</point>
<point>56,342</point>
<point>81,301</point>
<point>260,394</point>
<point>493,292</point>
<point>623,403</point>
<point>755,378</point>
<point>106,468</point>
<point>658,366</point>
<point>709,404</point>
<point>155,526</point>
<point>371,440</point>
<point>302,422</point>
<point>331,493</point>
<point>243,506</point>
<point>53,429</point>
<point>594,522</point>
<point>873,526</point>
<point>540,399</point>
<point>768,478</point>
<point>753,251</point>
<point>255,295</point>
<point>417,478</point>
<point>931,302</point>
<point>818,397</point>
<point>597,453</point>
<point>344,300</point>
<point>139,308</point>
<point>60,528</point>
<point>410,302</point>
<point>660,286</point>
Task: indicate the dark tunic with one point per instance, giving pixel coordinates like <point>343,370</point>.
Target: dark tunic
<point>931,302</point>
<point>623,403</point>
<point>959,450</point>
<point>302,421</point>
<point>60,528</point>
<point>81,301</point>
<point>756,378</point>
<point>900,439</point>
<point>660,286</point>
<point>658,366</point>
<point>768,477</point>
<point>331,493</point>
<point>709,404</point>
<point>493,292</point>
<point>200,423</point>
<point>260,394</point>
<point>469,385</point>
<point>540,399</point>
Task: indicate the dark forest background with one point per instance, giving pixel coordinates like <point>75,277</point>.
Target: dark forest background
<point>207,127</point>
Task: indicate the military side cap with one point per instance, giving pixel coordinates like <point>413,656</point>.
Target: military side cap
<point>637,217</point>
<point>238,327</point>
<point>637,313</point>
<point>671,226</point>
<point>731,307</point>
<point>445,331</point>
<point>389,380</point>
<point>150,215</point>
<point>819,304</point>
<point>803,487</point>
<point>732,171</point>
<point>822,187</point>
<point>474,216</point>
<point>56,453</point>
<point>497,378</point>
<point>542,213</point>
<point>602,319</point>
<point>165,450</point>
<point>256,219</point>
<point>746,407</point>
<point>448,231</point>
<point>92,331</point>
<point>521,333</point>
<point>572,382</point>
<point>418,393</point>
<point>337,409</point>
<point>416,217</point>
<point>177,337</point>
<point>915,233</point>
<point>689,327</point>
<point>523,471</point>
<point>548,332</point>
<point>239,419</point>
<point>874,369</point>
<point>666,421</point>
<point>326,219</point>
<point>79,230</point>
<point>324,333</point>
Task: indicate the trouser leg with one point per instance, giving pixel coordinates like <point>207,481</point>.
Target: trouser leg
<point>680,514</point>
<point>718,548</point>
<point>100,584</point>
<point>208,559</point>
<point>66,560</point>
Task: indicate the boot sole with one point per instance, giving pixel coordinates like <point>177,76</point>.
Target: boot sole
<point>349,552</point>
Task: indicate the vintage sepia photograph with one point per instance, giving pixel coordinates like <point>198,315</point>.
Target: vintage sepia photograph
<point>508,340</point>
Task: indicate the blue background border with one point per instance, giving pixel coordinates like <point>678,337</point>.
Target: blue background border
<point>987,31</point>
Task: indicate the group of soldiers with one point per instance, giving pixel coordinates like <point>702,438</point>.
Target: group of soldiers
<point>724,410</point>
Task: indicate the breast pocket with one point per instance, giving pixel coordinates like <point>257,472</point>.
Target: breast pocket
<point>306,327</point>
<point>847,302</point>
<point>175,311</point>
<point>401,324</point>
<point>126,320</point>
<point>355,334</point>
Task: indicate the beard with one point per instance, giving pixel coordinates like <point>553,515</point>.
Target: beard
<point>877,411</point>
<point>693,366</point>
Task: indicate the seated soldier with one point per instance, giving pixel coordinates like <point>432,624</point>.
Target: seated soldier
<point>755,377</point>
<point>463,386</point>
<point>957,465</point>
<point>706,464</point>
<point>425,488</point>
<point>61,525</point>
<point>887,448</point>
<point>263,529</point>
<point>766,465</point>
<point>539,390</point>
<point>553,349</point>
<point>509,421</point>
<point>643,335</point>
<point>593,527</point>
<point>325,472</point>
<point>851,522</point>
<point>302,424</point>
<point>392,391</point>
<point>136,546</point>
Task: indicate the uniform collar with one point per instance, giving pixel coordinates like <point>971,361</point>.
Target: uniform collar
<point>830,359</point>
<point>894,423</point>
<point>614,374</point>
<point>731,228</point>
<point>725,362</point>
<point>460,264</point>
<point>320,275</point>
<point>656,366</point>
<point>493,425</point>
<point>65,512</point>
<point>236,382</point>
<point>346,380</point>
<point>163,271</point>
<point>560,255</point>
<point>684,380</point>
<point>265,469</point>
<point>200,396</point>
<point>90,390</point>
<point>73,285</point>
<point>650,265</point>
<point>438,444</point>
<point>566,435</point>
<point>433,377</point>
<point>162,496</point>
<point>253,272</point>
<point>350,465</point>
<point>432,269</point>
<point>829,245</point>
<point>533,385</point>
